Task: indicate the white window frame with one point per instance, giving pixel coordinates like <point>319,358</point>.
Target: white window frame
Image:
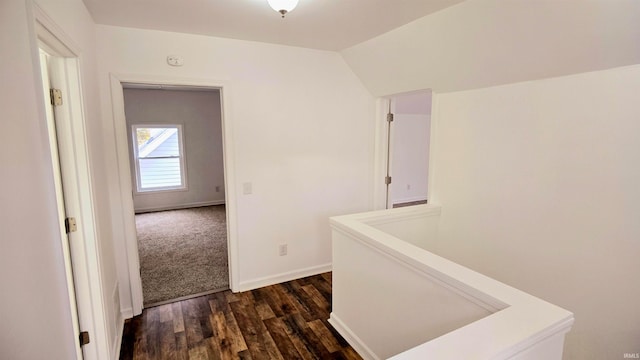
<point>182,157</point>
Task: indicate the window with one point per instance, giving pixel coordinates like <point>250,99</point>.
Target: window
<point>159,157</point>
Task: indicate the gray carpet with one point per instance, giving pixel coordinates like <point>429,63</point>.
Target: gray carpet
<point>182,253</point>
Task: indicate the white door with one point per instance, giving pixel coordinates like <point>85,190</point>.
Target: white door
<point>74,186</point>
<point>68,200</point>
<point>408,146</point>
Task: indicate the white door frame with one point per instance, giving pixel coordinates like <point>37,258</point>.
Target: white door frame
<point>124,174</point>
<point>82,258</point>
<point>381,150</point>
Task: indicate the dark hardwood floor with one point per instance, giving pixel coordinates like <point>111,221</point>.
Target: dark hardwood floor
<point>283,321</point>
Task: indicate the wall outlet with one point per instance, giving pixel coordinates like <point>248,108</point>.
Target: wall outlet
<point>408,186</point>
<point>282,249</point>
<point>247,188</point>
<point>217,188</point>
<point>175,60</point>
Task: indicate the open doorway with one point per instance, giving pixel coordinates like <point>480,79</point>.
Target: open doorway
<point>408,141</point>
<point>177,177</point>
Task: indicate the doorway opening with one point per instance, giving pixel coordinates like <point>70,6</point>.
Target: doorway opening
<point>404,145</point>
<point>175,139</point>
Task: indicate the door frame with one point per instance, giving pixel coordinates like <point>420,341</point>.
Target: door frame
<point>124,173</point>
<point>381,149</point>
<point>84,281</point>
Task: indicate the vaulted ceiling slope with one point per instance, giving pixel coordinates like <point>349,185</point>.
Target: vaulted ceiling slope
<point>405,45</point>
<point>481,43</point>
<point>319,24</point>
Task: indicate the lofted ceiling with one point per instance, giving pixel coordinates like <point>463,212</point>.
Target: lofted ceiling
<point>319,24</point>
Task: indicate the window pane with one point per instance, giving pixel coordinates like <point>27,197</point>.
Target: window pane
<point>157,142</point>
<point>158,173</point>
<point>160,161</point>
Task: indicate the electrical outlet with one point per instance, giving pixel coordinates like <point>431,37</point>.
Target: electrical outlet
<point>408,186</point>
<point>217,188</point>
<point>247,188</point>
<point>175,60</point>
<point>282,249</point>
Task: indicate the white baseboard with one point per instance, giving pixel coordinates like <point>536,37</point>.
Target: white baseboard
<point>115,355</point>
<point>182,206</point>
<point>283,277</point>
<point>127,313</point>
<point>353,340</point>
<point>411,199</point>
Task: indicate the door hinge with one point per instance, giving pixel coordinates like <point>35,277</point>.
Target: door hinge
<point>56,97</point>
<point>70,224</point>
<point>84,338</point>
<point>387,180</point>
<point>389,117</point>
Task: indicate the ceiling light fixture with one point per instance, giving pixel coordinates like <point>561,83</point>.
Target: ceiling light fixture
<point>283,6</point>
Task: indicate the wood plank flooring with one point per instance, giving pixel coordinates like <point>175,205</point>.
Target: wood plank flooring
<point>283,321</point>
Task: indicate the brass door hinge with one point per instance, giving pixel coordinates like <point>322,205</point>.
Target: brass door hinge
<point>84,338</point>
<point>56,97</point>
<point>389,117</point>
<point>70,225</point>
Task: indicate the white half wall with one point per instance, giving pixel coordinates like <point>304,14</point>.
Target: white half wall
<point>538,183</point>
<point>199,113</point>
<point>302,137</point>
<point>480,43</point>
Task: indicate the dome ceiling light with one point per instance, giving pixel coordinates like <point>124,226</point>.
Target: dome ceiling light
<point>283,6</point>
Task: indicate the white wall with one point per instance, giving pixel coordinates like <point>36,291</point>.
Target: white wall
<point>480,43</point>
<point>538,183</point>
<point>35,304</point>
<point>31,269</point>
<point>302,128</point>
<point>537,180</point>
<point>199,113</point>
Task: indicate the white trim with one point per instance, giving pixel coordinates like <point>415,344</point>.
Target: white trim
<point>410,199</point>
<point>433,141</point>
<point>53,36</point>
<point>127,313</point>
<point>117,345</point>
<point>402,213</point>
<point>126,190</point>
<point>92,309</point>
<point>283,277</point>
<point>59,190</point>
<point>87,210</point>
<point>380,155</point>
<point>356,343</point>
<point>124,173</point>
<point>182,206</point>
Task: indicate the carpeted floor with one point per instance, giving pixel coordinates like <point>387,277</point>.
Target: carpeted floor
<point>182,253</point>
